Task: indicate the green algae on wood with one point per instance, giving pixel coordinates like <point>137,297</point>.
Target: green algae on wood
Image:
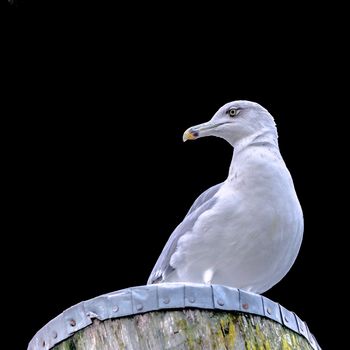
<point>188,329</point>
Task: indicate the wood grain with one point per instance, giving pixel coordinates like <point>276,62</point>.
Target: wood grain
<point>186,329</point>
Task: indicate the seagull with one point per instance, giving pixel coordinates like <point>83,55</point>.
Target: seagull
<point>245,232</point>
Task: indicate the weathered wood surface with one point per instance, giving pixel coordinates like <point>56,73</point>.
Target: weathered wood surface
<point>186,329</point>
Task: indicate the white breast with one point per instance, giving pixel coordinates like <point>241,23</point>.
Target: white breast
<point>250,238</point>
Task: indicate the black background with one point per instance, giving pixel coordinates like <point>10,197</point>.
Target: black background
<point>97,98</point>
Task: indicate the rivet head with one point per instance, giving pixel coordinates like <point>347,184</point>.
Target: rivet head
<point>245,306</point>
<point>191,299</point>
<point>139,307</point>
<point>268,310</point>
<point>221,302</point>
<point>43,343</point>
<point>286,319</point>
<point>54,334</point>
<point>72,322</point>
<point>166,300</point>
<point>116,308</point>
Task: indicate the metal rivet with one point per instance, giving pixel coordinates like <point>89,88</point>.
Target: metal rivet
<point>191,299</point>
<point>286,319</point>
<point>245,306</point>
<point>269,311</point>
<point>116,308</point>
<point>139,307</point>
<point>43,343</point>
<point>72,322</point>
<point>166,300</point>
<point>54,334</point>
<point>221,302</point>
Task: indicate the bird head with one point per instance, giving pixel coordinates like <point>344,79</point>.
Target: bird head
<point>234,122</point>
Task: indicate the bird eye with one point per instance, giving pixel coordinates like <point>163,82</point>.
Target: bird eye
<point>232,112</point>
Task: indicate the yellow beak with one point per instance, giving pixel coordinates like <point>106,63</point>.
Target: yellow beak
<point>189,135</point>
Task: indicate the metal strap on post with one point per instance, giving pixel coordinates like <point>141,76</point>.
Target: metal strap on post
<point>136,300</point>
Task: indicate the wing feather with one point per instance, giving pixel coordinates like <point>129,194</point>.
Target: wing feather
<point>204,202</point>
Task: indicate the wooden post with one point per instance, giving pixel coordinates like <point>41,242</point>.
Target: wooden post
<point>176,316</point>
<point>188,329</point>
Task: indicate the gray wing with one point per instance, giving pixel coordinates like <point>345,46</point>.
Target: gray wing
<point>204,197</point>
<point>162,268</point>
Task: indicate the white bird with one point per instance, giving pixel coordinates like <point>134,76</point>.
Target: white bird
<point>245,232</point>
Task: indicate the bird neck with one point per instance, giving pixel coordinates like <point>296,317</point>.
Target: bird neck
<point>265,135</point>
<point>253,146</point>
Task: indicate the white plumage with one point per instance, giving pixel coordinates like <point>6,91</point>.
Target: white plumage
<point>245,232</point>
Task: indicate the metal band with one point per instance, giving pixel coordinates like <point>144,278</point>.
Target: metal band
<point>136,300</point>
